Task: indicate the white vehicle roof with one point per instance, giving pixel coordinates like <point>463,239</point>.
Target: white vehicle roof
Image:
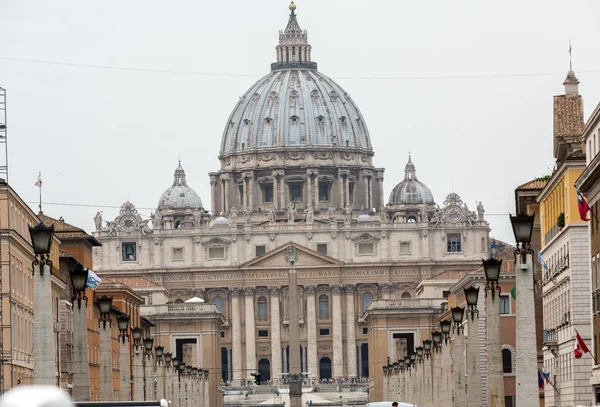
<point>36,396</point>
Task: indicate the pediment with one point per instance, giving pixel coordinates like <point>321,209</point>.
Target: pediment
<point>305,257</point>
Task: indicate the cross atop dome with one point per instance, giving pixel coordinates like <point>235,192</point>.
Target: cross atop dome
<point>293,50</point>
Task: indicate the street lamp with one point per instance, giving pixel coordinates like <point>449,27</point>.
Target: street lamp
<point>457,317</point>
<point>41,240</point>
<point>522,225</point>
<point>492,268</point>
<point>419,353</point>
<point>148,343</point>
<point>472,295</point>
<point>427,347</point>
<point>104,304</point>
<point>168,359</point>
<point>159,350</point>
<point>206,374</point>
<point>437,340</point>
<point>79,277</point>
<point>137,336</point>
<point>402,364</point>
<point>123,324</point>
<point>445,326</point>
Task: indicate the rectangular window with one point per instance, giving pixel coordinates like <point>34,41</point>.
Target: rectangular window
<point>323,192</point>
<point>268,193</point>
<point>504,304</point>
<point>129,251</point>
<point>445,294</point>
<point>296,192</point>
<point>260,250</point>
<point>263,333</point>
<point>177,254</point>
<point>322,248</point>
<point>324,332</point>
<point>222,334</point>
<point>454,243</point>
<point>216,253</point>
<point>509,401</point>
<point>365,331</point>
<point>404,247</point>
<point>365,248</point>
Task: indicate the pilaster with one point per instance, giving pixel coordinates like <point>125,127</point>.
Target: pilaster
<point>236,335</point>
<point>338,351</point>
<point>250,333</point>
<point>311,330</point>
<point>275,333</point>
<point>350,331</point>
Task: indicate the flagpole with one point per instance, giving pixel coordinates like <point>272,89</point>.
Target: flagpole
<point>548,381</point>
<point>588,349</point>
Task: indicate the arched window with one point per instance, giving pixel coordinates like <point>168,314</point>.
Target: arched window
<point>506,361</point>
<point>324,306</point>
<point>406,295</point>
<point>366,300</point>
<point>218,301</point>
<point>411,219</point>
<point>262,308</point>
<point>178,301</point>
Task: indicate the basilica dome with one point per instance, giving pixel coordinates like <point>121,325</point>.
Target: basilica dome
<point>411,190</point>
<point>294,106</point>
<point>179,195</point>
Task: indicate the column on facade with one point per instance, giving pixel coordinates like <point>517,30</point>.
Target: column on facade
<point>436,377</point>
<point>250,333</point>
<point>367,174</point>
<point>347,197</point>
<point>275,333</point>
<point>370,187</point>
<point>446,376</point>
<point>427,385</point>
<point>350,331</point>
<point>81,363</point>
<point>149,375</point>
<point>213,195</point>
<point>124,370</point>
<point>236,335</point>
<point>309,190</point>
<point>473,371</point>
<point>311,330</point>
<point>226,190</point>
<point>285,361</point>
<point>282,190</point>
<point>251,192</point>
<point>338,351</point>
<point>275,191</point>
<point>106,376</point>
<point>44,364</point>
<point>460,398</point>
<point>222,193</point>
<point>244,200</point>
<point>206,392</point>
<point>316,188</point>
<point>161,372</point>
<point>341,188</point>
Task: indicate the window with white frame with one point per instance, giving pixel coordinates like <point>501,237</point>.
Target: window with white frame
<point>504,304</point>
<point>404,248</point>
<point>454,243</point>
<point>177,254</point>
<point>262,308</point>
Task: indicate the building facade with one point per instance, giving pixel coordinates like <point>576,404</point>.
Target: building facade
<point>589,186</point>
<point>565,250</point>
<point>296,168</point>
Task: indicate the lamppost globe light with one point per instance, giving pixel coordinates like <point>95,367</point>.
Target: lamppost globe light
<point>385,369</point>
<point>148,343</point>
<point>206,373</point>
<point>105,304</point>
<point>41,238</point>
<point>195,371</point>
<point>123,323</point>
<point>419,351</point>
<point>522,226</point>
<point>188,369</point>
<point>472,296</point>
<point>457,316</point>
<point>413,357</point>
<point>437,338</point>
<point>491,268</point>
<point>79,277</point>
<point>175,362</point>
<point>168,358</point>
<point>159,350</point>
<point>445,326</point>
<point>402,363</point>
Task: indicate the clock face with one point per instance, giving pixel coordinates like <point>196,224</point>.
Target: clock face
<point>453,214</point>
<point>128,223</point>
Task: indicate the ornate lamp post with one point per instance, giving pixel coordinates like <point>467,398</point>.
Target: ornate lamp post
<point>148,368</point>
<point>474,378</point>
<point>459,360</point>
<point>526,338</point>
<point>420,378</point>
<point>124,371</point>
<point>386,386</point>
<point>43,343</point>
<point>402,392</point>
<point>437,368</point>
<point>427,379</point>
<point>138,365</point>
<point>168,380</point>
<point>180,371</point>
<point>206,393</point>
<point>495,374</point>
<point>160,372</point>
<point>81,375</point>
<point>106,377</point>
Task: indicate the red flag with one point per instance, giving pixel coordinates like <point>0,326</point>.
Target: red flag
<point>581,343</point>
<point>583,207</point>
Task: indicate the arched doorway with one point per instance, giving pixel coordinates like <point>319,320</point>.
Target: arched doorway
<point>264,368</point>
<point>325,368</point>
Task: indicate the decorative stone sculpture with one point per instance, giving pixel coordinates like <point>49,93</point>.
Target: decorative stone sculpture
<point>347,214</point>
<point>291,212</point>
<point>331,214</point>
<point>480,211</point>
<point>98,220</point>
<point>309,214</point>
<point>197,218</point>
<point>157,221</point>
<point>271,215</point>
<point>233,214</point>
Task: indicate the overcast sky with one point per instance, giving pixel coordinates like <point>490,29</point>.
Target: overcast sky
<point>465,86</point>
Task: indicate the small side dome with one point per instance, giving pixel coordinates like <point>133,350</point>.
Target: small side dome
<point>179,195</point>
<point>221,221</point>
<point>364,218</point>
<point>411,190</point>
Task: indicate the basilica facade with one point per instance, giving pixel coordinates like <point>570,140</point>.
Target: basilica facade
<point>296,168</point>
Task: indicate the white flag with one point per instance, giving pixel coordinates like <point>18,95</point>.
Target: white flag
<point>93,280</point>
<point>39,183</point>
